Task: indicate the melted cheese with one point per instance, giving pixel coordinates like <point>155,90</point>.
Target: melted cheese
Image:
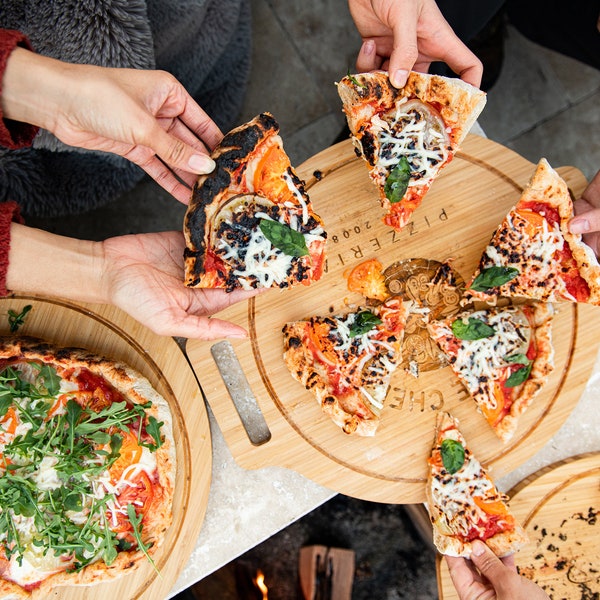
<point>413,132</point>
<point>532,255</point>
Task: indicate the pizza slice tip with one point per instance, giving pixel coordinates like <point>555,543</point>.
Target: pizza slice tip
<point>463,502</point>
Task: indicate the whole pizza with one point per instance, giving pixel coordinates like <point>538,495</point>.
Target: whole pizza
<point>87,468</point>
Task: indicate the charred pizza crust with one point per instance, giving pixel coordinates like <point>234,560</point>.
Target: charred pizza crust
<point>136,389</point>
<point>252,180</point>
<point>513,245</point>
<point>481,365</point>
<point>456,517</point>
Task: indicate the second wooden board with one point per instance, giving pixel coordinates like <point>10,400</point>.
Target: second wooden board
<point>455,222</point>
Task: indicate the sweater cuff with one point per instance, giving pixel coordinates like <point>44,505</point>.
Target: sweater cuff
<point>13,134</point>
<point>9,212</point>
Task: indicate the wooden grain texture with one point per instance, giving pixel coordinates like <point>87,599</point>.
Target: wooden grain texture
<point>455,221</point>
<point>113,334</point>
<point>559,506</point>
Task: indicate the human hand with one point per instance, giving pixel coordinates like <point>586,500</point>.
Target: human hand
<point>587,211</point>
<point>145,116</point>
<point>143,275</point>
<point>487,577</point>
<point>404,35</point>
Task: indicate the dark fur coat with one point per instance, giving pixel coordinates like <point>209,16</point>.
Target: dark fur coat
<point>204,43</point>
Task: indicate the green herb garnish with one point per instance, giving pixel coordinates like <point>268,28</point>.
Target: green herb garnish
<point>473,329</point>
<point>520,375</point>
<point>355,81</point>
<point>364,322</point>
<point>15,320</point>
<point>493,277</point>
<point>453,455</point>
<point>288,240</point>
<point>397,181</point>
<point>136,523</point>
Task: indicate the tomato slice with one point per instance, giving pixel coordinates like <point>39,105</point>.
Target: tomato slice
<point>130,454</point>
<point>534,220</point>
<point>267,178</point>
<point>496,507</point>
<point>140,494</point>
<point>367,279</point>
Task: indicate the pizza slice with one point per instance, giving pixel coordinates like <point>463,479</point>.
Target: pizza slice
<point>532,254</point>
<point>463,501</point>
<point>250,223</point>
<point>347,361</point>
<point>502,356</point>
<point>407,135</point>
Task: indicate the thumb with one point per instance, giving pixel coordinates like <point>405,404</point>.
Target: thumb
<point>488,564</point>
<point>179,155</point>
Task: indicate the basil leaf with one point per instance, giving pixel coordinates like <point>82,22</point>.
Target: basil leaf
<point>453,455</point>
<point>518,377</point>
<point>285,238</point>
<point>474,329</point>
<point>15,320</point>
<point>493,277</point>
<point>396,182</point>
<point>363,322</point>
<point>517,359</point>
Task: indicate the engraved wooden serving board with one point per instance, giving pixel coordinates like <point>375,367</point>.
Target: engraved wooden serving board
<point>455,221</point>
<point>559,507</point>
<point>111,333</point>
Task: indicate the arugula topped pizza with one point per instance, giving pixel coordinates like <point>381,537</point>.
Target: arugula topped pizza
<point>407,135</point>
<point>87,467</point>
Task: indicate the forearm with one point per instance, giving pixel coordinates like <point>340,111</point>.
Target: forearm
<point>53,265</point>
<point>34,88</point>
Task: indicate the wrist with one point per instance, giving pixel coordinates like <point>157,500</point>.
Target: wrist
<point>53,265</point>
<point>33,88</point>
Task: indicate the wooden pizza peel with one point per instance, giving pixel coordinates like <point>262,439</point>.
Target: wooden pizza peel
<point>455,222</point>
<point>559,507</point>
<point>112,333</point>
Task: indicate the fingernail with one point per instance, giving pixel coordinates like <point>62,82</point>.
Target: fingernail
<point>238,335</point>
<point>579,226</point>
<point>399,78</point>
<point>478,548</point>
<point>200,163</point>
<point>368,47</point>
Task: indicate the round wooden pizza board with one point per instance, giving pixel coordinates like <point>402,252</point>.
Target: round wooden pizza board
<point>111,333</point>
<point>454,222</point>
<point>559,507</point>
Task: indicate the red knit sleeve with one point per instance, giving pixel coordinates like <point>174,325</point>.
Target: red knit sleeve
<point>13,134</point>
<point>9,212</point>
